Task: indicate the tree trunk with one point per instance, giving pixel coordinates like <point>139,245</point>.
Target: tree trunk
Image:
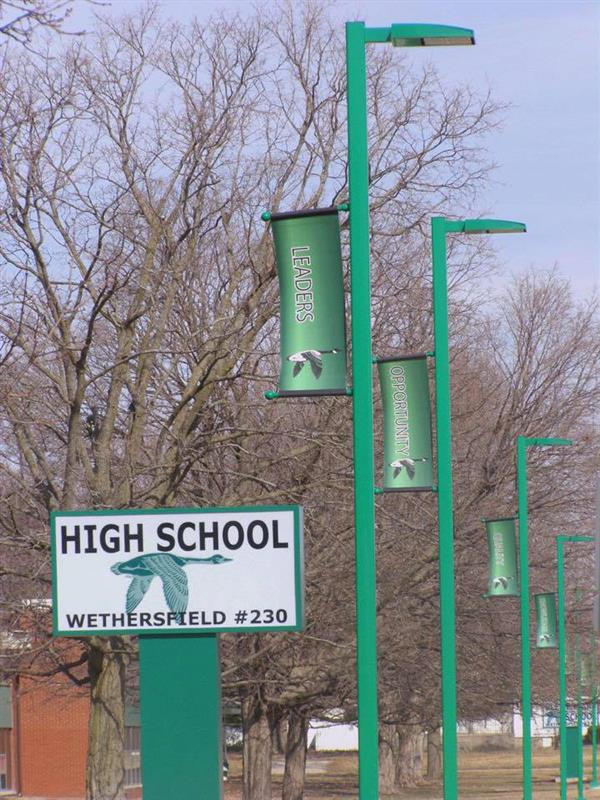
<point>295,757</point>
<point>409,762</point>
<point>257,749</point>
<point>434,755</point>
<point>105,776</point>
<point>388,755</point>
<point>280,732</point>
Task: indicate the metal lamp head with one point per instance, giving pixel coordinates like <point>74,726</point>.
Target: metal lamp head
<point>547,442</point>
<point>423,35</point>
<point>493,226</point>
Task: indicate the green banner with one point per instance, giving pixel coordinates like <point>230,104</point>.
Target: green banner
<point>586,671</point>
<point>545,617</point>
<point>407,450</point>
<point>502,565</point>
<point>311,287</point>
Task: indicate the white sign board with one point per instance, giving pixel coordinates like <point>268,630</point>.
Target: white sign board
<point>177,570</point>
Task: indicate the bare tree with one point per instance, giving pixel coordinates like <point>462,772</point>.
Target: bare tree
<point>137,314</point>
<point>531,370</point>
<point>20,19</point>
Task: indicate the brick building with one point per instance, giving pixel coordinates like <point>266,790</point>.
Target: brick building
<point>43,739</point>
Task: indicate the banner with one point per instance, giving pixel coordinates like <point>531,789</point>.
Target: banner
<point>502,551</point>
<point>311,288</point>
<point>586,676</point>
<point>407,450</point>
<point>545,617</point>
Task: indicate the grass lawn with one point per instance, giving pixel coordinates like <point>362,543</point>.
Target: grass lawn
<point>331,776</point>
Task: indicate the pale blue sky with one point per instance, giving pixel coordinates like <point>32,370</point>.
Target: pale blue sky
<point>543,58</point>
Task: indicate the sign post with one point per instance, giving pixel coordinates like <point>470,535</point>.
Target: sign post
<point>180,703</point>
<point>178,577</point>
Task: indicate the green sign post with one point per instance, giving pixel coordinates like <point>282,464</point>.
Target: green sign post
<point>311,290</point>
<point>407,449</point>
<point>180,713</point>
<point>503,570</point>
<point>545,615</point>
<point>178,577</point>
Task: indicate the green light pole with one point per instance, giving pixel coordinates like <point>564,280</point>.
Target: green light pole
<point>578,667</point>
<point>594,701</point>
<point>594,781</point>
<point>440,227</point>
<point>523,442</point>
<point>357,37</point>
<point>594,784</point>
<point>562,664</point>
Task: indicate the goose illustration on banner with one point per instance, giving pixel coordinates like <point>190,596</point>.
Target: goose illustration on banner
<point>502,581</point>
<point>312,357</point>
<point>406,463</point>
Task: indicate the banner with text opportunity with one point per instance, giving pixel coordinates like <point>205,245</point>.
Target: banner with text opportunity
<point>407,448</point>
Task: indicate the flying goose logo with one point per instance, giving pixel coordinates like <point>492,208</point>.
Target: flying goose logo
<point>502,581</point>
<point>407,464</point>
<point>544,638</point>
<point>312,357</point>
<point>167,567</point>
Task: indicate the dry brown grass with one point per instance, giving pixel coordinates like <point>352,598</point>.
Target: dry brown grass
<point>495,775</point>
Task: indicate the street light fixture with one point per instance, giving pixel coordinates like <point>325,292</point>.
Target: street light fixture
<point>523,442</point>
<point>440,227</point>
<point>357,37</point>
<point>418,35</point>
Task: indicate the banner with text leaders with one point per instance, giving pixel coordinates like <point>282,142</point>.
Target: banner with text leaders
<point>503,576</point>
<point>311,288</point>
<point>545,618</point>
<point>407,449</point>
